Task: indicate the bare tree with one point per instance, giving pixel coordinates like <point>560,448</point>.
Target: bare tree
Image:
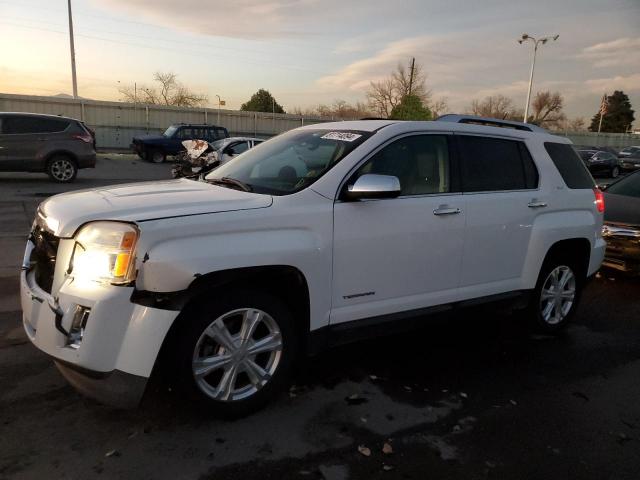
<point>494,106</point>
<point>577,124</point>
<point>547,109</point>
<point>338,109</point>
<point>168,92</point>
<point>387,93</point>
<point>438,106</point>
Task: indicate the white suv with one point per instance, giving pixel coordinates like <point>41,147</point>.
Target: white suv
<point>317,236</point>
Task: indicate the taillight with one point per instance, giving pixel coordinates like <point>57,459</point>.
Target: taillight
<point>85,137</point>
<point>599,199</point>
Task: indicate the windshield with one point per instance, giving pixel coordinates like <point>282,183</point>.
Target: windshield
<point>585,154</point>
<point>170,131</point>
<point>218,144</point>
<point>629,186</point>
<point>291,161</point>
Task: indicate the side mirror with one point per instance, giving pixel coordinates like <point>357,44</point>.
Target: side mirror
<point>373,186</point>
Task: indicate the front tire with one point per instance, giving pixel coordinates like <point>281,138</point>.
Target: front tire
<point>236,354</point>
<point>62,169</point>
<point>156,156</point>
<point>615,171</point>
<point>555,298</point>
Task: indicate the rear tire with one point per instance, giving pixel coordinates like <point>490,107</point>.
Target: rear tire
<point>236,354</point>
<point>62,169</point>
<point>555,298</point>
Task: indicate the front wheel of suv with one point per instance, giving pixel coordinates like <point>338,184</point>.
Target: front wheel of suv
<point>62,168</point>
<point>156,156</point>
<point>235,355</point>
<point>555,298</point>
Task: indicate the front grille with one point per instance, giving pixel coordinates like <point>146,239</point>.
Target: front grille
<point>43,257</point>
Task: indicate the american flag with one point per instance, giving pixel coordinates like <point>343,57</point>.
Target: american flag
<point>604,105</point>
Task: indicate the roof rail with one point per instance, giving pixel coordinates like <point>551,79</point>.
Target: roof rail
<point>491,122</point>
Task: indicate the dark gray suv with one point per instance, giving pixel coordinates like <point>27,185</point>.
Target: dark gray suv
<point>58,146</point>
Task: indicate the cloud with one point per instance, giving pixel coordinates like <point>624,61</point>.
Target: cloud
<point>253,19</point>
<point>629,83</point>
<point>615,53</point>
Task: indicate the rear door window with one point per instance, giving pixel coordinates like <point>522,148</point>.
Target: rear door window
<point>495,164</point>
<point>571,168</point>
<point>26,124</point>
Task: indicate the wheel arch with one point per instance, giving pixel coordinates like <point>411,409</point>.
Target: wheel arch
<point>285,282</point>
<point>67,153</point>
<point>578,249</point>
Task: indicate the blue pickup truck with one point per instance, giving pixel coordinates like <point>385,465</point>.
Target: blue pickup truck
<point>155,148</point>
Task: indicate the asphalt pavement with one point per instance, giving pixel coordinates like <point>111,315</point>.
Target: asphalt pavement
<point>471,396</point>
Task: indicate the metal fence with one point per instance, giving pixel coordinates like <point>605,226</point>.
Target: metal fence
<point>115,123</point>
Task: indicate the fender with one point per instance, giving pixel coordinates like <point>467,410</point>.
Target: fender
<point>545,233</point>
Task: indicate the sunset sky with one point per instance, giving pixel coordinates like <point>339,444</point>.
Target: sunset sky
<point>315,51</point>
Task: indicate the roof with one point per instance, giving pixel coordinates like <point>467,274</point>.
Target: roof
<point>497,122</point>
<point>31,114</point>
<point>399,127</point>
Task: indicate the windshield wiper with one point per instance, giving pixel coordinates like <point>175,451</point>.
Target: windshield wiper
<point>231,182</point>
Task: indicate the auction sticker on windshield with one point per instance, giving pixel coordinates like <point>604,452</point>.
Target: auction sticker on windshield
<point>344,136</point>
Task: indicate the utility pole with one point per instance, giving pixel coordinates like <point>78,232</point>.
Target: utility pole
<point>413,66</point>
<point>73,53</point>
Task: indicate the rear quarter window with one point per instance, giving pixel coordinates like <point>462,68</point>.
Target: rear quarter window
<point>16,125</point>
<point>570,165</point>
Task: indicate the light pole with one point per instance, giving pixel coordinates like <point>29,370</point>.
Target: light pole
<point>220,102</point>
<point>536,42</point>
<point>73,53</point>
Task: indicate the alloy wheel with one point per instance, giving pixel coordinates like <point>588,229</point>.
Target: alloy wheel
<point>237,354</point>
<point>558,295</point>
<point>62,169</point>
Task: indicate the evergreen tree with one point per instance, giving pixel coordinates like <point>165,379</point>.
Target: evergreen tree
<point>619,114</point>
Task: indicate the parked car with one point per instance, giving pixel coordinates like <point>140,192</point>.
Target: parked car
<point>155,148</point>
<point>621,227</point>
<point>600,149</point>
<point>228,148</point>
<point>630,158</point>
<point>599,162</point>
<point>57,146</point>
<point>322,235</point>
<point>200,157</point>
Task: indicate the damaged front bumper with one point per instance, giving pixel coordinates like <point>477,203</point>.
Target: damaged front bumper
<point>103,344</point>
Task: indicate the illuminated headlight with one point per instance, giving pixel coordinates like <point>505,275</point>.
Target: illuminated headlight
<point>105,252</point>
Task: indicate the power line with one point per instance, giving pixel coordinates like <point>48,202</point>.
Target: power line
<point>186,53</point>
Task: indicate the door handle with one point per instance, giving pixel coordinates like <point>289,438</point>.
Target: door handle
<point>535,204</point>
<point>446,211</point>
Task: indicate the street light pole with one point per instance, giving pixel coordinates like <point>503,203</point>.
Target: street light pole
<point>73,53</point>
<point>536,42</point>
<point>218,109</point>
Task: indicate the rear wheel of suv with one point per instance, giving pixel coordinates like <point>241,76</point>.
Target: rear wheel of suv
<point>62,168</point>
<point>235,355</point>
<point>156,156</point>
<point>555,298</point>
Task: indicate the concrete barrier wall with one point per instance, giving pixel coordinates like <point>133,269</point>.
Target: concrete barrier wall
<point>115,123</point>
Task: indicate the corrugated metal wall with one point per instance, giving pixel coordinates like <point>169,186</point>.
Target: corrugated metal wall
<point>116,123</point>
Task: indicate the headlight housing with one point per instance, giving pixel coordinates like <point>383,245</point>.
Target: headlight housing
<point>105,252</point>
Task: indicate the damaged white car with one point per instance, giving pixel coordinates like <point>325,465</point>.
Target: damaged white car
<point>319,236</point>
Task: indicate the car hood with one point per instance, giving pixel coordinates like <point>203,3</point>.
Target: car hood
<point>150,138</point>
<point>64,213</point>
<point>621,209</point>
